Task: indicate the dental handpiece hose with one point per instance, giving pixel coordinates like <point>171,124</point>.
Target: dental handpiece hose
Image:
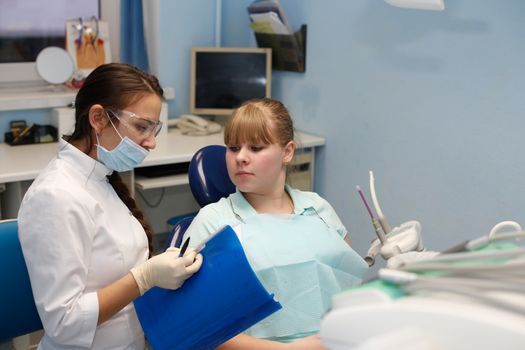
<point>377,226</point>
<point>379,231</point>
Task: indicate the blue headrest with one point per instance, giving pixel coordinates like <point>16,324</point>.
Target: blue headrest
<point>17,306</point>
<point>208,175</point>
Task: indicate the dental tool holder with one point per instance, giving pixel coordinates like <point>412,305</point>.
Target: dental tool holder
<point>402,239</point>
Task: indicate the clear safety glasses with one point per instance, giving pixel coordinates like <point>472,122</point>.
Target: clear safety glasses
<point>141,126</point>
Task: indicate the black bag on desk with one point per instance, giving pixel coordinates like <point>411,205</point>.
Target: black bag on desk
<point>34,133</point>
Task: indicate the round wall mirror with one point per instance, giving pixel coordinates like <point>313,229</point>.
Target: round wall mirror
<point>54,65</point>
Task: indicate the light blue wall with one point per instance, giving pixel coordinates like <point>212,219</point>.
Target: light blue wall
<point>183,24</point>
<point>431,101</point>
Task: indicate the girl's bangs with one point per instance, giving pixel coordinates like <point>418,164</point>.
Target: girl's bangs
<point>251,128</point>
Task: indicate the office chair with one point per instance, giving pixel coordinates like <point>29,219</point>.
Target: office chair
<point>18,314</point>
<point>209,182</point>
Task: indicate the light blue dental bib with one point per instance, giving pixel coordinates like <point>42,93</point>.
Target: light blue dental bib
<point>304,262</point>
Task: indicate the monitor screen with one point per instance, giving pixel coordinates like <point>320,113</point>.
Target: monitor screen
<point>223,78</point>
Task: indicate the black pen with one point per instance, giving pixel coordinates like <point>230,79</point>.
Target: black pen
<point>184,247</point>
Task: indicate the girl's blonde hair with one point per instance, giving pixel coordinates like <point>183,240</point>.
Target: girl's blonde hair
<point>259,121</point>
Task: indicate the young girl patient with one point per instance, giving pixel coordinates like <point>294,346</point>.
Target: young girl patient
<point>294,240</point>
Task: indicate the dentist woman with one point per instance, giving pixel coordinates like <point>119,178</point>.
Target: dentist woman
<point>85,242</point>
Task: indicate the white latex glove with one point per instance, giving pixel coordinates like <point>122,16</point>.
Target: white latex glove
<point>166,270</point>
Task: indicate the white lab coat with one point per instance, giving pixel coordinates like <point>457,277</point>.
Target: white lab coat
<point>77,237</point>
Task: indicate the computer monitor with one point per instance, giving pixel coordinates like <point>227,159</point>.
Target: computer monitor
<point>223,78</point>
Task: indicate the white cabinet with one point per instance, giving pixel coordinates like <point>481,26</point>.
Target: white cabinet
<point>33,97</point>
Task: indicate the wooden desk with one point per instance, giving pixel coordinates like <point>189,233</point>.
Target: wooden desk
<point>21,164</point>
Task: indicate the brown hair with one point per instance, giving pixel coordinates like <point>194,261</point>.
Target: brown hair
<point>114,86</point>
<point>256,121</point>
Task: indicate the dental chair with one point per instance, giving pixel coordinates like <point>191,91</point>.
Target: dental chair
<point>177,231</point>
<point>208,175</point>
<point>18,314</point>
<point>209,182</point>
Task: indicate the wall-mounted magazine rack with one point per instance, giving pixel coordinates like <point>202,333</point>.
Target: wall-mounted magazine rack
<point>288,51</point>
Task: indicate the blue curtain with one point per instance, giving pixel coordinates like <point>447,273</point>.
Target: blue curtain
<point>132,44</point>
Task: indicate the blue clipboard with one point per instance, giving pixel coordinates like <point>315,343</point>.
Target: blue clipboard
<point>221,300</point>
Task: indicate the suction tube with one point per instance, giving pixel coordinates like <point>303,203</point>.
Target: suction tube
<point>382,219</point>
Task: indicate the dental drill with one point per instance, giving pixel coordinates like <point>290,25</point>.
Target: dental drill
<point>390,241</point>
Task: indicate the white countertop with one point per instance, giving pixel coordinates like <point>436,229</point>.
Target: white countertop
<point>24,162</point>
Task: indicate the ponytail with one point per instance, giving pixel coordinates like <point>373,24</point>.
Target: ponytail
<point>123,193</point>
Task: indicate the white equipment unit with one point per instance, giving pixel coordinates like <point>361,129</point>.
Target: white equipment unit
<point>369,319</point>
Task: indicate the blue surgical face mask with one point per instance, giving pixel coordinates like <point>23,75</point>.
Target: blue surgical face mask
<point>124,157</point>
